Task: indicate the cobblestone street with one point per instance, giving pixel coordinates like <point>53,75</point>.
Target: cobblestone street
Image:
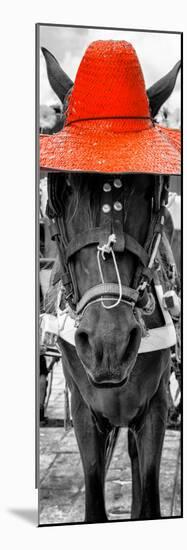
<point>61,474</point>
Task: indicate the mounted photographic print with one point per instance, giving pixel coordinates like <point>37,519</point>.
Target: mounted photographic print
<point>109,274</point>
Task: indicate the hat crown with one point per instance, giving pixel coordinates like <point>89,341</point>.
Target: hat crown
<point>109,83</point>
<point>108,126</point>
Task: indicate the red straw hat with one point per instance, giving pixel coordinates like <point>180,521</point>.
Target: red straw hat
<point>108,127</point>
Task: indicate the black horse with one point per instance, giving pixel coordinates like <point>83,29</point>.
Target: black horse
<point>111,384</point>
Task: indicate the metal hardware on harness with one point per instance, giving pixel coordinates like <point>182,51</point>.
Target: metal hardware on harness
<point>142,286</point>
<point>173,303</point>
<point>107,248</point>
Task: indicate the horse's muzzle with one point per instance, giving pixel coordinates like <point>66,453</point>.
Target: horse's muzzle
<point>108,351</point>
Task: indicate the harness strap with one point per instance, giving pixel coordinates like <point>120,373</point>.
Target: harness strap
<point>148,273</point>
<point>92,236</point>
<point>136,248</point>
<point>120,197</point>
<point>155,228</point>
<point>63,272</point>
<point>106,289</point>
<point>100,235</point>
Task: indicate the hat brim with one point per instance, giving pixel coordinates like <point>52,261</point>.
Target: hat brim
<point>85,147</point>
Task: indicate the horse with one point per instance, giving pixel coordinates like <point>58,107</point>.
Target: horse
<point>106,228</point>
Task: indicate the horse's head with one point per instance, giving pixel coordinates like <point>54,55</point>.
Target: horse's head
<point>93,207</point>
<point>108,336</point>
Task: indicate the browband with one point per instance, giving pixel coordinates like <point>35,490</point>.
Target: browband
<point>100,235</point>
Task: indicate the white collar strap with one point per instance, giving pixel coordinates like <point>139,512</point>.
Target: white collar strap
<point>157,338</point>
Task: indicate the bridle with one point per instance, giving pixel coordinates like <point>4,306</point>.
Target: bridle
<point>110,238</point>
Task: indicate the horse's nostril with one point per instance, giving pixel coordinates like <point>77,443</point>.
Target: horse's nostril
<point>133,344</point>
<point>82,340</point>
<point>105,356</point>
<point>83,336</point>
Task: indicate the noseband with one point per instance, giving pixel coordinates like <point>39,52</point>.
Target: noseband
<point>110,238</point>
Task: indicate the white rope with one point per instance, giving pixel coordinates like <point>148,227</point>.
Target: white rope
<point>107,249</point>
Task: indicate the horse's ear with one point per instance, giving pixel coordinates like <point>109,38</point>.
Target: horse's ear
<point>161,90</point>
<point>59,80</point>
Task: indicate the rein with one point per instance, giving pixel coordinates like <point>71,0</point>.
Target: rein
<point>110,238</point>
